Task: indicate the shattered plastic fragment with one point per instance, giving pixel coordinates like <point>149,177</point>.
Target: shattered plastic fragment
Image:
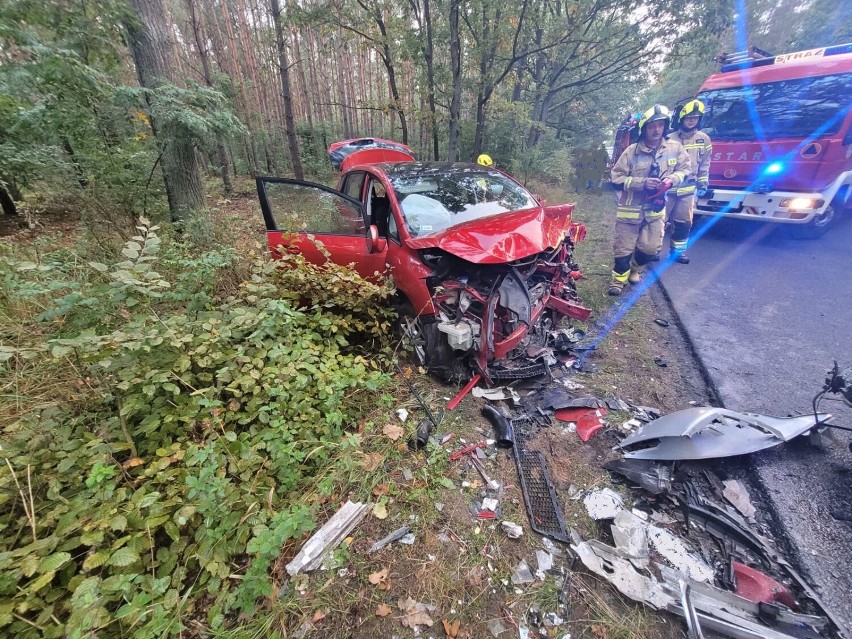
<point>399,533</point>
<point>676,552</point>
<point>630,534</point>
<point>603,503</point>
<point>496,627</point>
<point>604,560</point>
<point>512,529</point>
<point>402,414</point>
<point>522,574</point>
<point>545,561</point>
<point>737,494</point>
<point>408,539</point>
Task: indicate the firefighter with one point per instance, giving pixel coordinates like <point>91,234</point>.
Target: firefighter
<point>643,174</point>
<point>680,203</point>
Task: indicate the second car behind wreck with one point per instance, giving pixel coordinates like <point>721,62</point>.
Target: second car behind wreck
<point>485,272</point>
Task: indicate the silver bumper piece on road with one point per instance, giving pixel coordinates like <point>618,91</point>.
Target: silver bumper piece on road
<point>709,433</point>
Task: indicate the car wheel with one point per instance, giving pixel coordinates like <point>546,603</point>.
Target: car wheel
<point>818,226</point>
<point>430,347</point>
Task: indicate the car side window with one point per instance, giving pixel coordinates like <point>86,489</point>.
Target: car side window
<point>353,185</point>
<point>378,207</point>
<point>300,208</point>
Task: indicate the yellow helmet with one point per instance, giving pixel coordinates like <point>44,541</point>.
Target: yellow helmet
<point>656,112</point>
<point>693,107</point>
<point>485,160</point>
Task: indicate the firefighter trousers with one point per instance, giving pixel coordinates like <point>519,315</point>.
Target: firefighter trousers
<point>679,211</point>
<point>643,239</point>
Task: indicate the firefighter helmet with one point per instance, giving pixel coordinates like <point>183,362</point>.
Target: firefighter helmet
<point>656,112</point>
<point>689,108</point>
<point>485,160</point>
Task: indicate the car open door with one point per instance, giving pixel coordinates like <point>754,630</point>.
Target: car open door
<point>294,210</point>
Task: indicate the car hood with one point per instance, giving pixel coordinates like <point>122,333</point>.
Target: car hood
<point>502,238</point>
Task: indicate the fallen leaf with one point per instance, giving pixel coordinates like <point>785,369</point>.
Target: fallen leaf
<point>600,631</point>
<point>379,577</point>
<point>407,372</point>
<point>371,461</point>
<point>452,629</point>
<point>380,489</point>
<point>319,615</point>
<point>415,613</point>
<point>383,610</point>
<point>393,431</point>
<point>133,462</point>
<point>380,511</point>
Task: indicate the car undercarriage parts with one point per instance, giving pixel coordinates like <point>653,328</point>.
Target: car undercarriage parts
<point>709,433</point>
<point>503,432</point>
<point>653,477</point>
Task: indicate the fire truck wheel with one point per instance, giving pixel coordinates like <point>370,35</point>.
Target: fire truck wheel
<point>817,227</point>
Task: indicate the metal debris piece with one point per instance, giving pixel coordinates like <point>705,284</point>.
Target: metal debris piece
<point>455,401</point>
<point>737,494</point>
<point>512,529</point>
<point>709,433</point>
<point>328,537</point>
<point>522,574</point>
<point>399,533</point>
<point>603,503</point>
<point>676,552</point>
<point>693,626</point>
<point>605,561</point>
<point>653,477</point>
<point>724,613</point>
<point>491,483</point>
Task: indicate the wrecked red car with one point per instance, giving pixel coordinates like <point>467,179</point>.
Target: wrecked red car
<point>484,271</point>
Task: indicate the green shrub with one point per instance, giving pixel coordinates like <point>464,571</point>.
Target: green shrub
<point>163,487</point>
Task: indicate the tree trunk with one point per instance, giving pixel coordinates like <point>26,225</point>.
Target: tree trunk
<point>203,54</point>
<point>455,57</point>
<point>387,59</point>
<point>152,49</point>
<point>284,68</point>
<point>7,203</point>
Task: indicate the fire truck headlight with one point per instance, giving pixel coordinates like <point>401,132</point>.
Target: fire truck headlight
<point>800,203</point>
<point>774,168</point>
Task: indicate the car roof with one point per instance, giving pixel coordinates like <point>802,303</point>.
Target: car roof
<point>394,169</point>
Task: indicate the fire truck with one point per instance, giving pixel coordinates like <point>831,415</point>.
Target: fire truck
<point>782,138</point>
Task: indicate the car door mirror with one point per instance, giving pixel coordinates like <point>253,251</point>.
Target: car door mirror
<point>375,243</point>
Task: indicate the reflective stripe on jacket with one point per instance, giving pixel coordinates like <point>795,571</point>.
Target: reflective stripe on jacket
<point>700,149</point>
<point>634,166</point>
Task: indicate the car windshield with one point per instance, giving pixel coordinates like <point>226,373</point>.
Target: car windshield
<point>801,108</point>
<point>434,201</point>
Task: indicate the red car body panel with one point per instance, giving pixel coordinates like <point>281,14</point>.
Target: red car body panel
<point>503,238</point>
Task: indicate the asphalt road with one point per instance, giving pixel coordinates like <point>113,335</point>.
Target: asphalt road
<point>767,316</point>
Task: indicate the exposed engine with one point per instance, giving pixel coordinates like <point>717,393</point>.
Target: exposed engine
<point>503,320</point>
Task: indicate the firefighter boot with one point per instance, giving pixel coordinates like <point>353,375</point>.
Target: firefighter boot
<point>620,273</point>
<point>680,240</point>
<point>680,256</point>
<point>635,274</point>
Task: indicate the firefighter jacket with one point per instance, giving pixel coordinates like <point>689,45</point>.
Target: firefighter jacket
<point>700,149</point>
<point>669,162</point>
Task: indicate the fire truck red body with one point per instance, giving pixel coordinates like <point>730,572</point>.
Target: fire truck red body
<point>782,138</point>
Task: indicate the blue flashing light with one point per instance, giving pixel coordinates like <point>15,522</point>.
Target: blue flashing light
<point>775,167</point>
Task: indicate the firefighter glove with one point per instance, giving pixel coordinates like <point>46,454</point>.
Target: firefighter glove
<point>701,191</point>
